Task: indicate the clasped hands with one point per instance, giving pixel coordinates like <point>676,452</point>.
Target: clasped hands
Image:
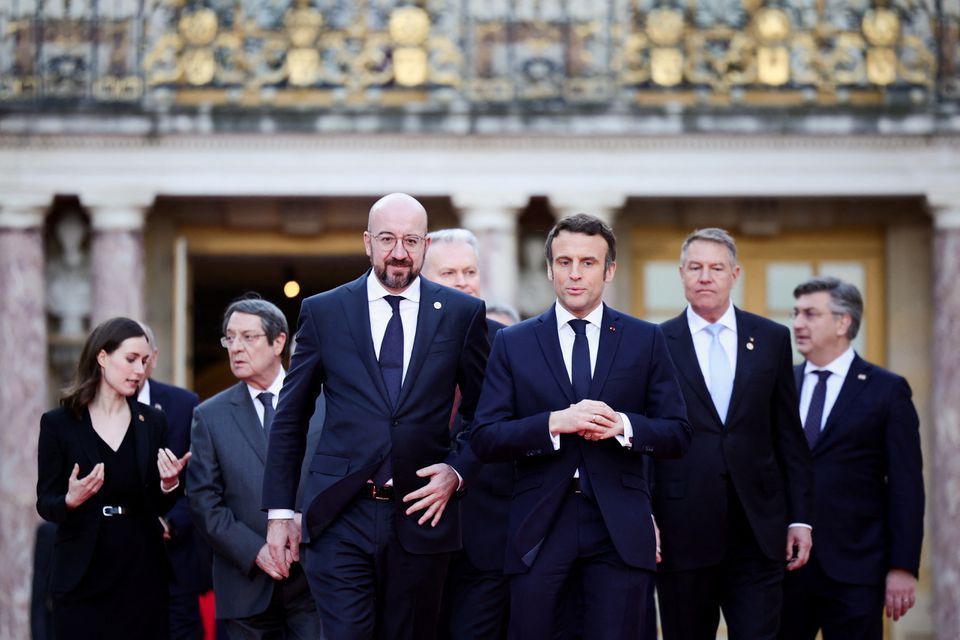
<point>589,419</point>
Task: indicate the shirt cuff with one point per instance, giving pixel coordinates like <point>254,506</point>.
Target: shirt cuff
<point>459,477</point>
<point>171,489</point>
<point>800,524</point>
<point>279,514</point>
<point>626,439</point>
<point>555,440</point>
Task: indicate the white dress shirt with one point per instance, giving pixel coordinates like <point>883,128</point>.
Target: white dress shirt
<point>702,338</point>
<point>567,336</point>
<point>144,396</point>
<point>839,369</point>
<point>381,312</point>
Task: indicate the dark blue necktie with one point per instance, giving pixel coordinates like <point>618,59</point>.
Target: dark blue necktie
<point>391,368</point>
<point>580,363</point>
<point>266,399</point>
<point>391,351</point>
<point>811,426</point>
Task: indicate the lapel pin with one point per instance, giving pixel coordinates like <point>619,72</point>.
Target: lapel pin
<point>157,406</point>
<point>437,305</point>
<point>612,328</point>
<point>750,346</point>
<point>861,376</point>
<point>140,415</point>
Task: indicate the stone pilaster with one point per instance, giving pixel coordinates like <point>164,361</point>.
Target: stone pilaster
<point>603,205</point>
<point>117,255</point>
<point>493,218</point>
<point>944,501</point>
<point>23,398</point>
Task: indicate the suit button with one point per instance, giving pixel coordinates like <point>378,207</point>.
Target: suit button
<point>396,423</point>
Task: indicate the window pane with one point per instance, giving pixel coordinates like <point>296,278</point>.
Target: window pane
<point>662,290</point>
<point>782,278</point>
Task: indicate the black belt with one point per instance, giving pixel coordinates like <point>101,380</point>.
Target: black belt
<point>575,486</point>
<point>373,492</point>
<point>110,511</point>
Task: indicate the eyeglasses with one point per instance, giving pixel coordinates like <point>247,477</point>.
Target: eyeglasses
<point>811,314</point>
<point>248,339</point>
<point>387,241</point>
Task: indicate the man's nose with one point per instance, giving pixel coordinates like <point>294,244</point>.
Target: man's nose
<point>398,251</point>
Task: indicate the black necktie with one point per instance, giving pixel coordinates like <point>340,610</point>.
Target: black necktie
<point>811,426</point>
<point>266,399</point>
<point>391,351</point>
<point>580,363</point>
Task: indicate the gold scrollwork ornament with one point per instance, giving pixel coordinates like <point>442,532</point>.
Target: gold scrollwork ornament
<point>198,28</point>
<point>199,66</point>
<point>881,27</point>
<point>409,26</point>
<point>665,27</point>
<point>773,65</point>
<point>666,66</point>
<point>881,65</point>
<point>409,66</point>
<point>303,67</point>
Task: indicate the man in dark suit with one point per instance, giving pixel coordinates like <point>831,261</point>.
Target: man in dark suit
<point>578,398</point>
<point>863,432</point>
<point>476,595</point>
<point>388,350</point>
<point>189,556</point>
<point>737,508</point>
<point>254,596</point>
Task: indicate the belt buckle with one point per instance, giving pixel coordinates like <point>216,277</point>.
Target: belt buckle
<point>112,511</point>
<point>379,493</point>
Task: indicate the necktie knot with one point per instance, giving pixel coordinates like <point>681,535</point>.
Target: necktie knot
<point>714,329</point>
<point>579,326</point>
<point>394,302</point>
<point>823,374</point>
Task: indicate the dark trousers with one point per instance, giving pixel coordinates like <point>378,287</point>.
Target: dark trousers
<point>185,622</point>
<point>476,602</point>
<point>366,585</point>
<point>812,601</point>
<point>291,614</point>
<point>616,597</point>
<point>747,586</point>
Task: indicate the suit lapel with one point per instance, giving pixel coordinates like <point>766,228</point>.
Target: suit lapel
<point>746,362</point>
<point>141,437</point>
<point>546,332</point>
<point>245,415</point>
<point>432,300</point>
<point>853,384</point>
<point>678,332</point>
<point>610,333</point>
<point>356,310</point>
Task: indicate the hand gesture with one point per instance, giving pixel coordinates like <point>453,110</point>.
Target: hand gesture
<point>80,490</point>
<point>434,495</point>
<point>590,419</point>
<point>170,467</point>
<point>283,543</point>
<point>269,566</point>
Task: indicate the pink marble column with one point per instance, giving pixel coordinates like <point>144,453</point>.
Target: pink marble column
<point>944,502</point>
<point>23,398</point>
<point>117,259</point>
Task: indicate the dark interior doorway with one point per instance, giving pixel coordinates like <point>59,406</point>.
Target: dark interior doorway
<point>217,280</point>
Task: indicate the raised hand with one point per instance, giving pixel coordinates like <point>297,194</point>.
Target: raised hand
<point>170,467</point>
<point>79,490</point>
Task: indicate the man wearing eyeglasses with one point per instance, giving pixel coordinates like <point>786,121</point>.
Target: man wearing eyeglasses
<point>254,596</point>
<point>863,433</point>
<point>388,351</point>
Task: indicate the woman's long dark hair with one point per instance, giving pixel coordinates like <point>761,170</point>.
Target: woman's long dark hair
<point>108,335</point>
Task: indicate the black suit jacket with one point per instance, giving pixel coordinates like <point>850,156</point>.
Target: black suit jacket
<point>526,380</point>
<point>868,473</point>
<point>65,440</point>
<point>761,449</point>
<point>335,353</point>
<point>189,557</point>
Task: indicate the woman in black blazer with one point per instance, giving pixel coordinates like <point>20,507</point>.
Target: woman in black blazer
<point>105,476</point>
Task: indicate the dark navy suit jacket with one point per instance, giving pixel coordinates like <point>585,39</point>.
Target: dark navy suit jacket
<point>761,449</point>
<point>335,353</point>
<point>868,475</point>
<point>189,556</point>
<point>526,380</point>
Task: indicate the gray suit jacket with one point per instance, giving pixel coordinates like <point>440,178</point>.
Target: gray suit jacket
<point>224,479</point>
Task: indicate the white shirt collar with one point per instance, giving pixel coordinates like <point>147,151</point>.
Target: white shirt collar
<point>274,388</point>
<point>595,317</point>
<point>698,323</point>
<point>839,367</point>
<point>375,290</point>
<point>144,394</point>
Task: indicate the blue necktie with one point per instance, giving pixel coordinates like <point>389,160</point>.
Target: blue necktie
<point>811,426</point>
<point>391,368</point>
<point>721,377</point>
<point>391,351</point>
<point>580,363</point>
<point>266,399</point>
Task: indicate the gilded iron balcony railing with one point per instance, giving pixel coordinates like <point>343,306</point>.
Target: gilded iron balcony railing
<point>477,54</point>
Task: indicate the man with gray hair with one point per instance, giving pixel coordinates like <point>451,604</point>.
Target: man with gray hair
<point>864,437</point>
<point>229,442</point>
<point>737,507</point>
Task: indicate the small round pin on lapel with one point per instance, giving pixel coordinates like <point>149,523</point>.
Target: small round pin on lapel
<point>140,415</point>
<point>437,305</point>
<point>749,346</point>
<point>861,376</point>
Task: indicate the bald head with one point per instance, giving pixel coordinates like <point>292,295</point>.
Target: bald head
<point>396,240</point>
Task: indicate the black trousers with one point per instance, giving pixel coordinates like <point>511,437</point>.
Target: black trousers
<point>476,602</point>
<point>291,614</point>
<point>366,585</point>
<point>747,586</point>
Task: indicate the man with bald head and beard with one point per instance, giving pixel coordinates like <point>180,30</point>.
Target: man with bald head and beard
<point>388,350</point>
